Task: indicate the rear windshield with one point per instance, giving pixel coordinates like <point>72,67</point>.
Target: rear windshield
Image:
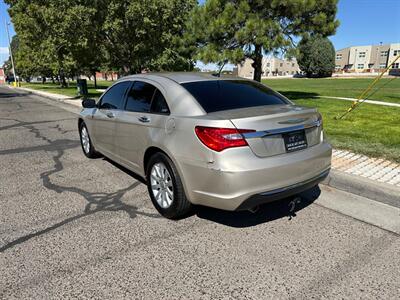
<point>217,95</point>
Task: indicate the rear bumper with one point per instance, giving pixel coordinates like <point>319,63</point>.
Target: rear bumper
<point>281,193</point>
<point>236,176</point>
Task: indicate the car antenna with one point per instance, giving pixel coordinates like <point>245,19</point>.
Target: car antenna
<point>220,69</point>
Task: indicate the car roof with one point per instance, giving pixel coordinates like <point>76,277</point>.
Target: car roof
<point>184,77</point>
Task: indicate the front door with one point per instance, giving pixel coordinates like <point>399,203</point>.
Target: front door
<point>109,108</point>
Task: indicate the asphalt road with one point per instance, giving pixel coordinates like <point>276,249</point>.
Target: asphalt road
<point>72,227</point>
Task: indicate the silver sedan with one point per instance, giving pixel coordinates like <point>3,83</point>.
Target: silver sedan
<point>196,139</point>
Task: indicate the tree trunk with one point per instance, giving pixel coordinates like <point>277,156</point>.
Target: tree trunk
<point>61,75</point>
<point>95,79</point>
<point>257,63</point>
<point>63,81</point>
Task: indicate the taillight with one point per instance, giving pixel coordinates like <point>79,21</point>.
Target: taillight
<point>219,139</point>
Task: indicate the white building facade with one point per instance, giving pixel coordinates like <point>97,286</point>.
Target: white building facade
<point>271,66</point>
<point>365,59</point>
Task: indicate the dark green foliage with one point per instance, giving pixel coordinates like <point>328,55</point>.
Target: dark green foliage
<point>69,38</point>
<point>316,56</point>
<point>233,30</point>
<point>146,35</point>
<point>74,37</point>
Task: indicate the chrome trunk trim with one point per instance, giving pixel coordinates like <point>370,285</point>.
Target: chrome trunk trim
<point>261,134</point>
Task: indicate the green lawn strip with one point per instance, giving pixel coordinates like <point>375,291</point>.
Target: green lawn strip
<point>387,89</point>
<point>71,90</point>
<point>372,130</point>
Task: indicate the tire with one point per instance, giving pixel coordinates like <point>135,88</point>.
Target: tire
<point>179,206</point>
<point>86,143</point>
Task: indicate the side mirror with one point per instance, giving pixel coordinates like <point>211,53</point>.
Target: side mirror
<point>88,103</point>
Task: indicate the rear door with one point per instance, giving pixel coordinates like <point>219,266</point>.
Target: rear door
<point>109,107</point>
<point>143,118</point>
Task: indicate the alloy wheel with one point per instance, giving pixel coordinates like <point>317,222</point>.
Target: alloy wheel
<point>161,185</point>
<point>85,139</point>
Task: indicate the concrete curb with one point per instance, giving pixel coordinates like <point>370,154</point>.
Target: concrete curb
<point>54,97</point>
<point>364,187</point>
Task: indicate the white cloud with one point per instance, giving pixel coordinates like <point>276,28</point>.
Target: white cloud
<point>4,50</point>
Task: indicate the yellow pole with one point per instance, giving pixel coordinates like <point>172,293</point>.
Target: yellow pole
<point>360,98</point>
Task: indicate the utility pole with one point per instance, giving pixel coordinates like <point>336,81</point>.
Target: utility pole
<point>11,55</point>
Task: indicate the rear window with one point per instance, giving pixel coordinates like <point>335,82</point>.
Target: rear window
<point>217,95</point>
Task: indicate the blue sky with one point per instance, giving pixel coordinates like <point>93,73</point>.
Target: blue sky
<point>362,22</point>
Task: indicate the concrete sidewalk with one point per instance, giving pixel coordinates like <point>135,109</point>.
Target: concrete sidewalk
<point>374,178</point>
<point>363,100</point>
<point>376,169</point>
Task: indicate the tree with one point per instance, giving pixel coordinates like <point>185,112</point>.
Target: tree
<point>54,33</point>
<point>316,56</point>
<point>85,36</point>
<point>233,30</point>
<point>146,35</point>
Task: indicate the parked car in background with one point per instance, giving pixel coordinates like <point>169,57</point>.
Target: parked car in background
<point>228,143</point>
<point>10,79</point>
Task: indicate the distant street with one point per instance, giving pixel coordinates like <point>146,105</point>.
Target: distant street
<point>71,227</point>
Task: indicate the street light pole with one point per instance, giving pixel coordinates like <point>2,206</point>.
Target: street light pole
<point>11,55</point>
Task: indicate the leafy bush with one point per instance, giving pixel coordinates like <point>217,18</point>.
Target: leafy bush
<point>316,56</point>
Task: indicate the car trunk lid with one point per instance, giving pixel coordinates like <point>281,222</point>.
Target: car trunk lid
<point>278,128</point>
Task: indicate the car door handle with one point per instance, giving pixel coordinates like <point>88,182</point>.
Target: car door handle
<point>110,114</point>
<point>144,119</point>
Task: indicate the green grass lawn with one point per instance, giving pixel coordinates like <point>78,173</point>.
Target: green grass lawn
<point>371,129</point>
<point>71,90</point>
<point>387,89</point>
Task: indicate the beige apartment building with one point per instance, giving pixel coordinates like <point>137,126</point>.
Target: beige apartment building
<point>271,66</point>
<point>364,59</point>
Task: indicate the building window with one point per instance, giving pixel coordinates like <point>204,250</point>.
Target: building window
<point>382,66</point>
<point>268,64</point>
<point>396,52</point>
<point>396,65</point>
<point>384,53</point>
<point>339,56</point>
<point>337,66</point>
<point>361,54</point>
<point>360,66</point>
<point>281,64</point>
<point>293,65</point>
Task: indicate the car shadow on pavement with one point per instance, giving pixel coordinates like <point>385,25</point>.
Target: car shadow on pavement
<point>266,213</point>
<point>125,170</point>
<point>95,201</point>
